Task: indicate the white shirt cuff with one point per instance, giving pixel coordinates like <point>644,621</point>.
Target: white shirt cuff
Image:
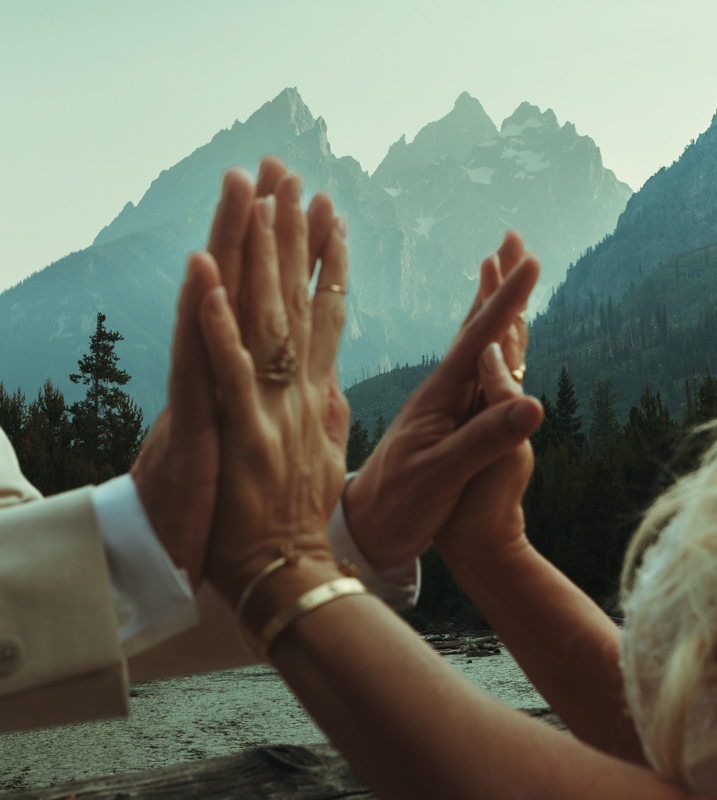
<point>398,587</point>
<point>153,599</point>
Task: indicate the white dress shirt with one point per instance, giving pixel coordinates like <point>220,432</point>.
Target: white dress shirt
<point>154,599</point>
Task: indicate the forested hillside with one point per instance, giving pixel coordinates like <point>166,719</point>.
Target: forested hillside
<point>660,332</point>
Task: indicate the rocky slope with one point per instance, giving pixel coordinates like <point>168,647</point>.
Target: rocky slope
<point>675,212</point>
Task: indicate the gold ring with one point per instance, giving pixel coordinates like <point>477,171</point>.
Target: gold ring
<point>283,370</point>
<point>519,374</point>
<point>331,287</point>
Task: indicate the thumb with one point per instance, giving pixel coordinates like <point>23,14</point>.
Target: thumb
<point>191,388</point>
<point>487,437</point>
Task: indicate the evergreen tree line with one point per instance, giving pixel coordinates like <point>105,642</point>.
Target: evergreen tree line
<point>359,446</point>
<point>588,492</point>
<point>61,448</point>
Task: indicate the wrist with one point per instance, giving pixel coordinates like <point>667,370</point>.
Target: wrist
<point>486,562</point>
<point>363,514</point>
<point>282,587</point>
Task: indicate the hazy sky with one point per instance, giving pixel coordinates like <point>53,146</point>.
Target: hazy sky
<point>98,96</point>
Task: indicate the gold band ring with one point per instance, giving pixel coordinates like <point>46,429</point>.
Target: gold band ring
<point>519,374</point>
<point>331,287</point>
<point>283,370</point>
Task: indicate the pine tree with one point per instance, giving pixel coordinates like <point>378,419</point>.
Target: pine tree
<point>650,420</point>
<point>378,431</point>
<point>546,435</point>
<point>603,424</point>
<point>707,398</point>
<point>46,452</point>
<point>568,422</point>
<point>13,414</point>
<point>358,447</point>
<point>108,425</point>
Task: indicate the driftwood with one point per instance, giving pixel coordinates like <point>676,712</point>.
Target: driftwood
<point>279,772</point>
<point>464,645</point>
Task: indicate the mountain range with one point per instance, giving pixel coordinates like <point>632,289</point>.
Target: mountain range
<point>418,229</point>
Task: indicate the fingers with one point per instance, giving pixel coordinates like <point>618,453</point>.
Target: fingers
<point>484,439</point>
<point>495,268</point>
<point>515,343</point>
<point>490,279</point>
<point>226,240</point>
<point>271,171</point>
<point>497,382</point>
<point>490,323</point>
<point>191,388</point>
<point>328,305</point>
<point>293,253</point>
<point>263,320</point>
<point>510,252</point>
<point>231,364</point>
<point>320,217</point>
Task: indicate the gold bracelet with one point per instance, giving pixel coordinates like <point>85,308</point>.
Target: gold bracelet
<point>340,587</point>
<point>289,555</point>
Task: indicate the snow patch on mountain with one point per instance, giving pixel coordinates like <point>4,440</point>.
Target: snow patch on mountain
<point>515,130</point>
<point>425,224</point>
<point>530,161</point>
<point>480,174</point>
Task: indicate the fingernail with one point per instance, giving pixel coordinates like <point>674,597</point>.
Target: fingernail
<point>294,190</point>
<point>493,360</point>
<point>217,301</point>
<point>231,173</point>
<point>268,212</point>
<point>521,416</point>
<point>342,225</point>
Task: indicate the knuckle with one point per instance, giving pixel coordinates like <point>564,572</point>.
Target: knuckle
<point>276,323</point>
<point>300,301</point>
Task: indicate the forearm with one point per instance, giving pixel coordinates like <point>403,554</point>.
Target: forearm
<point>566,644</point>
<point>413,728</point>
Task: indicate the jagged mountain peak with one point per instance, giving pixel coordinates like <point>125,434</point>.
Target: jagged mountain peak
<point>287,109</point>
<point>190,184</point>
<point>453,136</point>
<point>529,116</point>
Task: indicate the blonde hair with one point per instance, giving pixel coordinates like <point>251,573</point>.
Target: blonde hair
<point>670,637</point>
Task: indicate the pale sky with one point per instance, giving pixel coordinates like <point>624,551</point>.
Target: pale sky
<point>98,96</point>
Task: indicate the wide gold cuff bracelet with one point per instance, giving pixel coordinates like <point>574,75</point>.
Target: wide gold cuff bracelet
<point>333,590</point>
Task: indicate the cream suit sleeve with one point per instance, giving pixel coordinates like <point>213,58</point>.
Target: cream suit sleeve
<point>60,657</point>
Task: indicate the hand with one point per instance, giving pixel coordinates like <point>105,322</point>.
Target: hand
<point>489,516</point>
<point>176,473</point>
<point>412,482</point>
<point>282,464</point>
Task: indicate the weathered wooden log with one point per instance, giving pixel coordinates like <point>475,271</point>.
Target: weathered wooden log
<point>277,772</point>
<point>280,772</point>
